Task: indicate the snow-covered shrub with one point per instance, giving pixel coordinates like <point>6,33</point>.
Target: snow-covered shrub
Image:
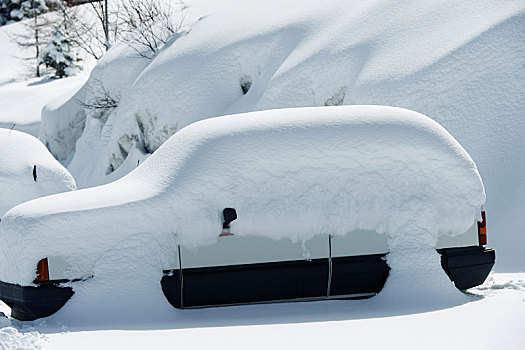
<point>3,19</point>
<point>10,11</point>
<point>59,54</point>
<point>16,10</point>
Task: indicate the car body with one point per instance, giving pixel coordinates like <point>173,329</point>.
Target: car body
<point>239,270</point>
<point>283,205</point>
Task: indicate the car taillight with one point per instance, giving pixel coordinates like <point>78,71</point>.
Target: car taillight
<point>482,229</point>
<point>42,271</point>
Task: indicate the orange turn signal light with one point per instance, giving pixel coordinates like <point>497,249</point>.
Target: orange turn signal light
<point>482,229</point>
<point>42,271</point>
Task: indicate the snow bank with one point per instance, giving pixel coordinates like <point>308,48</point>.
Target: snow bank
<point>21,102</point>
<point>113,74</point>
<point>292,173</point>
<point>310,55</point>
<point>460,63</point>
<point>64,120</point>
<point>19,153</point>
<point>62,123</point>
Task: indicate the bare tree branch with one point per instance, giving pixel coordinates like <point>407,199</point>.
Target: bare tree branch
<point>101,101</point>
<point>148,24</point>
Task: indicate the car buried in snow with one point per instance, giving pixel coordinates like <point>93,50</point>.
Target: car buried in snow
<point>278,205</point>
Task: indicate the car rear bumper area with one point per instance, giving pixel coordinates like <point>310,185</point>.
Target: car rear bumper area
<point>28,303</point>
<point>469,266</point>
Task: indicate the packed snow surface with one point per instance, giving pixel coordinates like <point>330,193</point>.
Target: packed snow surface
<point>20,153</point>
<point>365,324</point>
<point>290,174</point>
<point>499,304</point>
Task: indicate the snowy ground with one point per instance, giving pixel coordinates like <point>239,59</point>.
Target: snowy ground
<point>23,96</point>
<point>490,317</point>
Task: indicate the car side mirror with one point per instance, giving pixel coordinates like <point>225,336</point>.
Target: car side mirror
<point>228,214</point>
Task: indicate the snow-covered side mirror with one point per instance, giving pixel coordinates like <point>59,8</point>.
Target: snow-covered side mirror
<point>228,214</point>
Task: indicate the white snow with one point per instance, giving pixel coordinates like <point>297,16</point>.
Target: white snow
<point>64,120</point>
<point>11,338</point>
<point>486,319</point>
<point>19,153</point>
<point>106,80</point>
<point>21,102</point>
<point>22,97</point>
<point>460,63</point>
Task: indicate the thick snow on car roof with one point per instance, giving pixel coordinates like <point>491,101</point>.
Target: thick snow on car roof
<point>20,181</point>
<point>289,173</point>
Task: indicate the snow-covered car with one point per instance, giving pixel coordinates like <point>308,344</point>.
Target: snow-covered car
<point>28,170</point>
<point>290,204</point>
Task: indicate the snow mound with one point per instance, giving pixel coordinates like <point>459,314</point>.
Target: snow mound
<point>459,63</point>
<point>20,154</point>
<point>290,173</point>
<point>11,338</point>
<point>64,120</point>
<point>328,53</point>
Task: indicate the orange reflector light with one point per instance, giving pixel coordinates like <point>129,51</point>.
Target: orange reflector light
<point>482,239</point>
<point>482,229</point>
<point>42,271</point>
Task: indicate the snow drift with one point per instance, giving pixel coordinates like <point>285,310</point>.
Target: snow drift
<point>63,122</point>
<point>290,173</point>
<point>19,154</point>
<point>459,63</point>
